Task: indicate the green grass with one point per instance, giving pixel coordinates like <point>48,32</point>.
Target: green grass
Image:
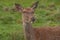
<point>10,21</point>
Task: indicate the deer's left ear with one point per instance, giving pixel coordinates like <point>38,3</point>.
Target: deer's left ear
<point>18,7</point>
<point>35,5</point>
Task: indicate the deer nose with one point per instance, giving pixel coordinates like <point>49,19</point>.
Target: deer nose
<point>32,19</point>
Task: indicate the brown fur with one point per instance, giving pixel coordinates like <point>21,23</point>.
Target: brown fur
<point>47,33</point>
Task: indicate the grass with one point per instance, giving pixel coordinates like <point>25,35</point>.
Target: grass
<point>10,21</point>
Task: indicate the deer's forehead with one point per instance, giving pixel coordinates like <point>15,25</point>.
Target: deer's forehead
<point>28,9</point>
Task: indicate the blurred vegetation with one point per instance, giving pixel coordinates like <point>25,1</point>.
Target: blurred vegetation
<point>47,14</point>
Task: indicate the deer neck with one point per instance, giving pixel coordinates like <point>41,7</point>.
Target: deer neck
<point>28,30</point>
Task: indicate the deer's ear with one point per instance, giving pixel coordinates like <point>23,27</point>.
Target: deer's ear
<point>18,7</point>
<point>35,5</point>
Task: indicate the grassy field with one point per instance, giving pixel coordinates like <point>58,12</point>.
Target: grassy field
<point>47,14</point>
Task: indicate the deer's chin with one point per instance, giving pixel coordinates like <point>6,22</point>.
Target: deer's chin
<point>32,22</point>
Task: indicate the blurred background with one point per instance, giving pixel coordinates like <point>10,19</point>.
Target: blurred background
<point>46,14</point>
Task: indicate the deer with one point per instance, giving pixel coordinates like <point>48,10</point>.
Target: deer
<point>30,33</point>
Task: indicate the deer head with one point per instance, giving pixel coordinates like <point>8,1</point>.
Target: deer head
<point>28,13</point>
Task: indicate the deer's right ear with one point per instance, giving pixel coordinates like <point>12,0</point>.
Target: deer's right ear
<point>18,7</point>
<point>35,5</point>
